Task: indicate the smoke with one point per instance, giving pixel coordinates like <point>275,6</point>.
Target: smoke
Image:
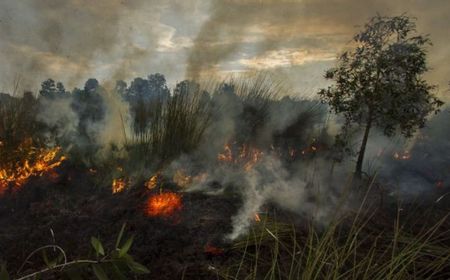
<point>303,36</point>
<point>115,127</point>
<point>75,39</point>
<point>258,129</point>
<point>60,117</point>
<point>112,39</point>
<point>270,182</point>
<point>423,171</point>
<point>63,120</point>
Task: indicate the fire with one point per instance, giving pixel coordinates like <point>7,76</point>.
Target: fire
<point>227,155</point>
<point>257,218</point>
<point>164,204</point>
<point>181,178</point>
<point>246,156</point>
<point>254,157</point>
<point>44,163</point>
<point>153,181</point>
<point>118,185</point>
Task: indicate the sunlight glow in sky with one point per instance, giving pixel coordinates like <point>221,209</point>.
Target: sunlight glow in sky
<point>74,40</point>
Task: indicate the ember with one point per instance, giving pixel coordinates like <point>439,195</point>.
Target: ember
<point>257,218</point>
<point>181,178</point>
<point>213,250</point>
<point>402,155</point>
<point>118,185</point>
<point>163,205</point>
<point>153,181</point>
<point>227,155</point>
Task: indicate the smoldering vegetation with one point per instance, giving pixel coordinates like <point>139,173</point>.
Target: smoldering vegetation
<point>237,151</point>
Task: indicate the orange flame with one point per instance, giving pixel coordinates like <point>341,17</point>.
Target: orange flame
<point>257,218</point>
<point>44,163</point>
<point>254,156</point>
<point>118,185</point>
<point>153,181</point>
<point>227,155</point>
<point>164,204</point>
<point>247,157</point>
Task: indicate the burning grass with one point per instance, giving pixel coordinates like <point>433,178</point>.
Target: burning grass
<point>38,163</point>
<point>118,185</point>
<point>243,156</point>
<point>153,174</point>
<point>153,181</point>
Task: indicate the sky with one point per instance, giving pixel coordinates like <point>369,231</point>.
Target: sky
<point>73,40</point>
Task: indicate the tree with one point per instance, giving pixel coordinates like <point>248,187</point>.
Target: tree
<point>51,90</point>
<point>91,86</point>
<point>186,87</point>
<point>158,86</point>
<point>61,90</point>
<point>378,83</point>
<point>48,89</point>
<point>138,88</point>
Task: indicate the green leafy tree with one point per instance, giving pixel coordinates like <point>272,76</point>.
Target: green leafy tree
<point>379,83</point>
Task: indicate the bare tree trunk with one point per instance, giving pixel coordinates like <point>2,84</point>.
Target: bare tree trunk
<point>362,150</point>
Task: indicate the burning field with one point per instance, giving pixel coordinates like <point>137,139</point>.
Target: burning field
<point>208,193</point>
<point>220,176</point>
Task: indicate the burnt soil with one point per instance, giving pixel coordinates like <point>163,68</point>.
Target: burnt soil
<point>75,210</point>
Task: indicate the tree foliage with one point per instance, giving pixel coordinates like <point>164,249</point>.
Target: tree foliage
<point>379,82</point>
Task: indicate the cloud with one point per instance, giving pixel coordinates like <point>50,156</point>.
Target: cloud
<point>185,39</point>
<point>265,29</point>
<point>286,58</point>
<point>169,42</point>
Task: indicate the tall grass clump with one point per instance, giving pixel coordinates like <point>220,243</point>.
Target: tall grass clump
<point>169,127</point>
<point>17,126</point>
<point>242,104</point>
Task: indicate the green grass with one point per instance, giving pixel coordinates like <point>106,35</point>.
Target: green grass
<point>362,245</point>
